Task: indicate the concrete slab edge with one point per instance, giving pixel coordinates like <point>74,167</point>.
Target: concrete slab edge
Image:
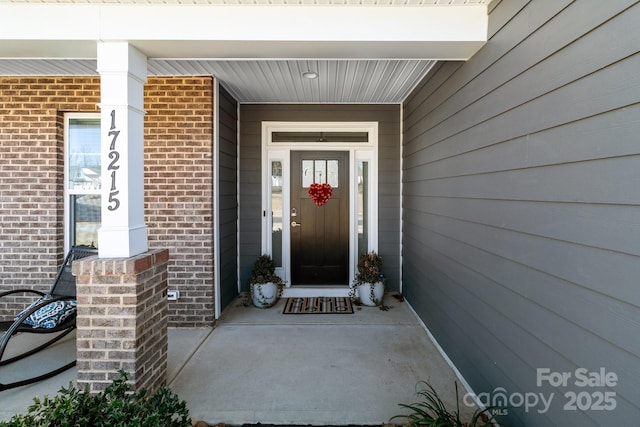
<point>189,357</point>
<point>444,355</point>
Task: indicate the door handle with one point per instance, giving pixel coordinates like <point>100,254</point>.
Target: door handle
<point>295,224</point>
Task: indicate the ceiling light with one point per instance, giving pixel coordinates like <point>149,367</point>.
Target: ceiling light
<point>310,75</point>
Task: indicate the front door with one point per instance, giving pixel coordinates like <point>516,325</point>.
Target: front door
<point>319,234</point>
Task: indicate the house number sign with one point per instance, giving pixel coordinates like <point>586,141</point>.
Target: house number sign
<point>114,156</point>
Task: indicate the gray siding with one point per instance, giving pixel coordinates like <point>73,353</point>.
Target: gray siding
<point>228,193</point>
<point>521,214</point>
<point>388,117</point>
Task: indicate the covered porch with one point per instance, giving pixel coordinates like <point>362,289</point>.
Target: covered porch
<point>508,189</point>
<point>261,366</point>
<point>191,189</point>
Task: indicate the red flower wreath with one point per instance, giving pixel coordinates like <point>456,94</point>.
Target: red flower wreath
<point>320,193</point>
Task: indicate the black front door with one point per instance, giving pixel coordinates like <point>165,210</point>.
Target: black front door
<point>319,234</point>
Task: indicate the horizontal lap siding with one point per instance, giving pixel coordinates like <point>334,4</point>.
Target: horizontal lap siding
<point>228,196</point>
<point>388,117</point>
<point>521,190</point>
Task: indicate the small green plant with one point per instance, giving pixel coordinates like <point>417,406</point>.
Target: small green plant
<point>369,273</point>
<point>432,412</point>
<point>116,406</point>
<point>369,269</point>
<point>264,271</point>
<point>265,286</point>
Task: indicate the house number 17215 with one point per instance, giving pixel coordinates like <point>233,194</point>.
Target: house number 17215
<point>114,156</point>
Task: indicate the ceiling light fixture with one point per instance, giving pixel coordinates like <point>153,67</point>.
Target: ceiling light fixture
<point>310,75</point>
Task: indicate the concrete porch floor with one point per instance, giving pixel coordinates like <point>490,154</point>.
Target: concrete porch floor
<point>260,366</point>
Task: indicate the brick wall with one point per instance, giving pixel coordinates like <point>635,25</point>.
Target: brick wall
<point>31,171</point>
<point>179,186</point>
<point>178,182</point>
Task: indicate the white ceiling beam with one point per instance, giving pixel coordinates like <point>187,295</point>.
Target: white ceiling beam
<point>255,32</point>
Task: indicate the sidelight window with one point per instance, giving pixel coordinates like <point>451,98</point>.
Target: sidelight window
<point>362,213</point>
<point>276,212</point>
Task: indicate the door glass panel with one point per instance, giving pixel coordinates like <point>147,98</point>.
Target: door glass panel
<point>276,212</point>
<point>320,173</point>
<point>332,173</point>
<point>363,203</point>
<point>307,173</point>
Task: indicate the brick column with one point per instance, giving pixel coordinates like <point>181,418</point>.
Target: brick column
<point>122,319</point>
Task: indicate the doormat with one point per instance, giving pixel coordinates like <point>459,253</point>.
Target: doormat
<point>318,305</point>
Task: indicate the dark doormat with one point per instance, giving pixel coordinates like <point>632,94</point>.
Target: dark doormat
<point>318,305</point>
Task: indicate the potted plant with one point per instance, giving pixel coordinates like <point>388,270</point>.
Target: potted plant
<point>369,281</point>
<point>266,287</point>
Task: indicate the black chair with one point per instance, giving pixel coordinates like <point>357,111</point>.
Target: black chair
<point>52,313</point>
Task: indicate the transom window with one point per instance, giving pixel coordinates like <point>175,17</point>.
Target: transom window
<point>301,137</point>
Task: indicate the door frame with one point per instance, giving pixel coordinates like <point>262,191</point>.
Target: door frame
<point>281,151</point>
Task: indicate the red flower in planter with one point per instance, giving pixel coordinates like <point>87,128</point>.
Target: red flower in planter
<point>320,193</point>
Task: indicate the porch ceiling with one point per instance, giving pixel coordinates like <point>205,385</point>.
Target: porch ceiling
<point>261,81</point>
<point>364,51</point>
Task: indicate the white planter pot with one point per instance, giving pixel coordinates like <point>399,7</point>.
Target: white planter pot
<point>364,293</point>
<point>264,295</point>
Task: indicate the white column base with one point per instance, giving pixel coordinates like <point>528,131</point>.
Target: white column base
<point>122,242</point>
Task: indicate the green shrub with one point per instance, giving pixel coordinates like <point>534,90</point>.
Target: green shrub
<point>116,406</point>
<point>369,269</point>
<point>432,412</point>
<point>264,271</point>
